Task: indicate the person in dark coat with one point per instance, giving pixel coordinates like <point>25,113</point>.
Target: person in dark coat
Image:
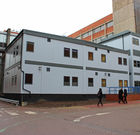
<point>100,96</point>
<point>120,96</point>
<point>125,96</point>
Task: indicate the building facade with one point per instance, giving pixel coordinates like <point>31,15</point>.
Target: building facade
<point>40,63</point>
<point>5,38</point>
<point>128,41</point>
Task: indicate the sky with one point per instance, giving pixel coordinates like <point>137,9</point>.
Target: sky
<point>61,17</point>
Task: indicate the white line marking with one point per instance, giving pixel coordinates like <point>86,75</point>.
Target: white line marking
<point>99,114</point>
<point>87,116</point>
<point>12,113</point>
<point>30,112</point>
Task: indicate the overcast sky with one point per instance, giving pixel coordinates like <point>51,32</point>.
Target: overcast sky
<point>61,17</point>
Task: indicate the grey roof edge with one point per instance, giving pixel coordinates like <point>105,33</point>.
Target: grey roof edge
<point>66,39</point>
<point>127,32</point>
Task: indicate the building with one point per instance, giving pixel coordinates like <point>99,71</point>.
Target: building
<point>96,31</point>
<point>125,16</point>
<point>5,38</point>
<point>128,40</point>
<point>40,63</point>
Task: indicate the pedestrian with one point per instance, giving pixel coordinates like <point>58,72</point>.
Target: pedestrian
<point>120,96</point>
<point>100,96</point>
<point>125,96</point>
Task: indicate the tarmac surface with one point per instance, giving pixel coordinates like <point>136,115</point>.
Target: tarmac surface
<point>111,119</point>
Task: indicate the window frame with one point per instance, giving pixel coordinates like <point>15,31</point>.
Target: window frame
<point>29,81</point>
<point>65,82</point>
<point>90,83</point>
<point>74,83</point>
<point>103,58</point>
<point>90,56</point>
<point>75,53</point>
<point>103,82</point>
<point>66,50</point>
<point>30,46</point>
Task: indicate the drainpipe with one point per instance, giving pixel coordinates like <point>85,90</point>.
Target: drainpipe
<point>8,36</point>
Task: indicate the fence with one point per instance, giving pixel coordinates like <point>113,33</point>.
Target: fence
<point>130,90</point>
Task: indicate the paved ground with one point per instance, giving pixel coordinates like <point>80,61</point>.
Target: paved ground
<point>111,119</point>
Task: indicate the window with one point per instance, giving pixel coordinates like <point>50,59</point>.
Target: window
<point>12,80</point>
<point>120,83</point>
<point>48,69</point>
<point>109,74</point>
<point>67,52</point>
<point>102,27</point>
<point>96,73</point>
<point>109,24</point>
<point>49,39</point>
<point>124,61</point>
<point>66,81</point>
<point>103,58</point>
<point>28,78</point>
<point>125,83</point>
<point>103,83</point>
<point>74,81</point>
<point>74,53</point>
<point>135,41</point>
<point>137,83</point>
<point>90,55</point>
<point>30,47</point>
<point>90,82</point>
<point>86,34</point>
<point>136,63</point>
<point>96,48</point>
<point>97,30</point>
<point>120,61</point>
<point>15,83</point>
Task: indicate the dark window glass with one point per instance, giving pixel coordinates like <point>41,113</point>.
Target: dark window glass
<point>48,69</point>
<point>15,79</point>
<point>120,61</point>
<point>109,74</point>
<point>137,83</point>
<point>96,48</point>
<point>90,82</point>
<point>96,73</point>
<point>66,81</point>
<point>49,39</point>
<point>135,63</point>
<point>74,53</point>
<point>108,51</point>
<point>90,55</point>
<point>28,78</point>
<point>30,47</point>
<point>124,61</point>
<point>74,81</point>
<point>67,52</point>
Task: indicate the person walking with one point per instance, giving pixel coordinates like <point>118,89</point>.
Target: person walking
<point>125,96</point>
<point>120,96</point>
<point>100,96</point>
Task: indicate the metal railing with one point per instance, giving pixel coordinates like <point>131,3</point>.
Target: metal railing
<point>130,90</point>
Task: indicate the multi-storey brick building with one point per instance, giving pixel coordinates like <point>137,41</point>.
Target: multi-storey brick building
<point>125,16</point>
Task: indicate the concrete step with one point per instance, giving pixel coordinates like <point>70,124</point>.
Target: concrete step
<point>16,102</point>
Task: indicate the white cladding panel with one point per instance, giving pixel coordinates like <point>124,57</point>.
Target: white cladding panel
<point>53,82</point>
<point>12,73</point>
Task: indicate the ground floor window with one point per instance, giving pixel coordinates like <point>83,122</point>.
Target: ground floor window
<point>66,81</point>
<point>28,78</point>
<point>74,81</point>
<point>125,83</point>
<point>103,82</point>
<point>90,82</point>
<point>120,83</point>
<point>137,83</point>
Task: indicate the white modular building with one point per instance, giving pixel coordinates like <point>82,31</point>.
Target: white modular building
<point>128,40</point>
<point>40,63</point>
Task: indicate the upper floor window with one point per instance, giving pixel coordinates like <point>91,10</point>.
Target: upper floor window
<point>124,61</point>
<point>86,34</point>
<point>120,61</point>
<point>135,41</point>
<point>109,24</point>
<point>90,55</point>
<point>48,39</point>
<point>136,63</point>
<point>30,47</point>
<point>74,53</point>
<point>103,58</point>
<point>67,52</point>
